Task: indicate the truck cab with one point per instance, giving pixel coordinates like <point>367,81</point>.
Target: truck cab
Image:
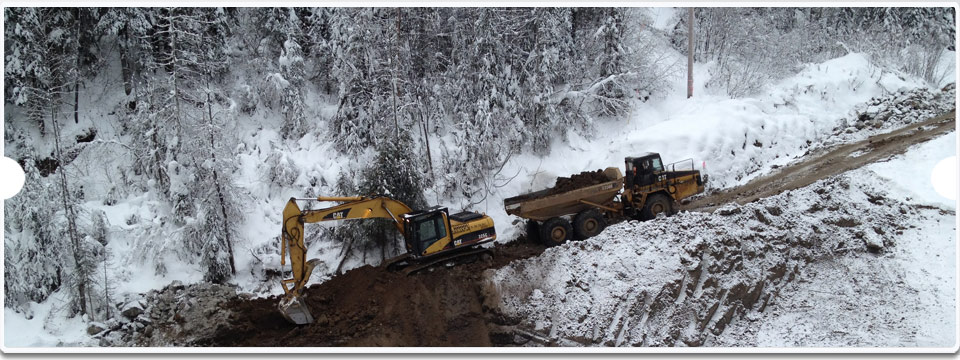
<point>643,170</point>
<point>651,188</point>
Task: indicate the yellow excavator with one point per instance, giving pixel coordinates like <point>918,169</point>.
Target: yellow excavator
<point>431,236</point>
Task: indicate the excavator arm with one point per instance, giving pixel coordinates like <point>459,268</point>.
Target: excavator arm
<point>291,241</point>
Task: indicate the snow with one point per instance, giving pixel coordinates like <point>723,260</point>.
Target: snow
<point>663,18</point>
<point>912,174</point>
<point>47,327</point>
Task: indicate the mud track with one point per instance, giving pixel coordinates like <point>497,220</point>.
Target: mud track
<point>829,162</point>
<point>370,306</point>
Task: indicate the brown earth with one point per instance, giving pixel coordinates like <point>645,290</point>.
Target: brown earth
<point>584,179</point>
<point>371,306</point>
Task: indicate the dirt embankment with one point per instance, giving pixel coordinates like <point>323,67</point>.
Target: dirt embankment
<point>370,306</point>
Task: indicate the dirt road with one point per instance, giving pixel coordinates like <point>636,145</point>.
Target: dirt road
<point>829,162</point>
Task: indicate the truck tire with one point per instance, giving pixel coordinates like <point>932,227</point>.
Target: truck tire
<point>587,224</point>
<point>555,231</point>
<point>533,231</point>
<point>656,204</point>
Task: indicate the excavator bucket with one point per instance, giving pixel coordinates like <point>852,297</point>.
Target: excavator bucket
<point>292,305</point>
<point>295,310</point>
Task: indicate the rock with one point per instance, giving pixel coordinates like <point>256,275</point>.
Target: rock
<point>873,243</point>
<point>96,328</point>
<point>729,209</point>
<point>176,285</point>
<point>132,309</point>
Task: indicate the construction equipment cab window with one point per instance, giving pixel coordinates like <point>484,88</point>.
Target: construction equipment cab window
<point>428,230</point>
<point>642,170</point>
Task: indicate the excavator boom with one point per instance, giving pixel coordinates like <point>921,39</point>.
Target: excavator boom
<point>292,305</point>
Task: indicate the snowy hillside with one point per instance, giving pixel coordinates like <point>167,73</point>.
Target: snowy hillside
<point>172,161</point>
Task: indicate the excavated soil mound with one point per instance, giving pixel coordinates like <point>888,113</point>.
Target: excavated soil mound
<point>370,306</point>
<point>581,180</point>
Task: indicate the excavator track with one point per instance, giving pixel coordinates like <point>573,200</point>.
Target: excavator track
<point>413,267</point>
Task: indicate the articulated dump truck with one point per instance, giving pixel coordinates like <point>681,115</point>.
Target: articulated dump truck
<point>581,209</point>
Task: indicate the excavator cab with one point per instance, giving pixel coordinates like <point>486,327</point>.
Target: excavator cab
<point>425,228</point>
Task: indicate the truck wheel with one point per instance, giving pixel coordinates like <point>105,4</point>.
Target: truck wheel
<point>555,231</point>
<point>588,224</point>
<point>656,204</point>
<point>533,231</point>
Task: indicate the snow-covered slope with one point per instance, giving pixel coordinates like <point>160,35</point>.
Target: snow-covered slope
<point>907,297</point>
<point>851,260</point>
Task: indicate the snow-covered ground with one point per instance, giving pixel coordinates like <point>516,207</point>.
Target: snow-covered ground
<point>907,297</point>
<point>855,260</point>
<point>45,326</point>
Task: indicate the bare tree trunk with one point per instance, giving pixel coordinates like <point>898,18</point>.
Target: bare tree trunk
<point>690,54</point>
<point>125,67</point>
<point>345,254</point>
<point>76,79</point>
<point>393,71</point>
<point>223,200</point>
<point>70,212</point>
<point>424,122</point>
<point>176,87</point>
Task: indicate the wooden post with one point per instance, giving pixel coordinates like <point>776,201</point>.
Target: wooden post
<point>690,53</point>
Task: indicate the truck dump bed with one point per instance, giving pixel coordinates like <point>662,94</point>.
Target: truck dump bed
<point>541,205</point>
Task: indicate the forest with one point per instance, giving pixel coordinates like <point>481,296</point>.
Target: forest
<point>418,103</point>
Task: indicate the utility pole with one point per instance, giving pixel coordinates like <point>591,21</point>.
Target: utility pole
<point>690,53</point>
